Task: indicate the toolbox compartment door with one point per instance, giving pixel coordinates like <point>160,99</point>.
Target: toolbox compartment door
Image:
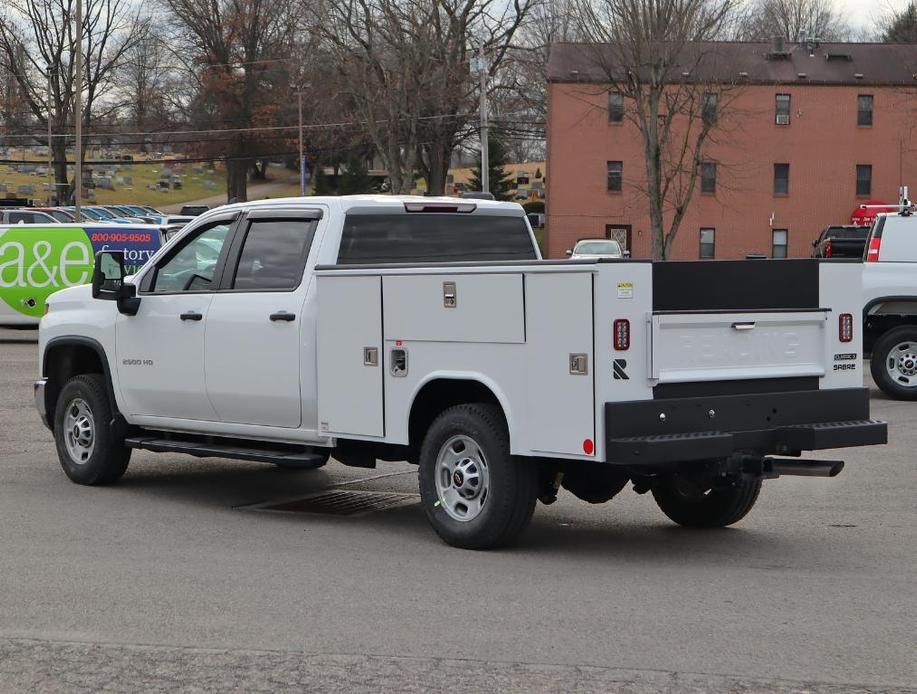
<point>350,356</point>
<point>560,393</point>
<point>703,346</point>
<point>470,307</point>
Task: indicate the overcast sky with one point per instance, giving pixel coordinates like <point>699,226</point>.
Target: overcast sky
<point>865,14</point>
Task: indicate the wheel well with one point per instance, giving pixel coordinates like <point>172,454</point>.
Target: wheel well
<point>438,395</point>
<point>63,362</point>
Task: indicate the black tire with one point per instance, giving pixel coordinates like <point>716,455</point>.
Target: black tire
<point>696,505</point>
<point>897,389</point>
<point>511,486</point>
<point>108,458</point>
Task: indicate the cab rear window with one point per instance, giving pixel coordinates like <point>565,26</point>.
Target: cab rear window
<point>433,237</point>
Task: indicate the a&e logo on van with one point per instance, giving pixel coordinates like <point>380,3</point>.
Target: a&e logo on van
<point>35,263</point>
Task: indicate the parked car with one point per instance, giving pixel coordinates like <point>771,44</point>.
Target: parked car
<point>841,241</point>
<point>595,248</point>
<point>18,216</point>
<point>286,331</point>
<point>194,210</point>
<point>58,213</point>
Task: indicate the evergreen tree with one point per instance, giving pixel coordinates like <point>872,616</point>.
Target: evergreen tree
<point>501,182</point>
<point>356,178</point>
<point>902,26</point>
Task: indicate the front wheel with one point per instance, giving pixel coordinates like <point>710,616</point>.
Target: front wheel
<point>692,502</point>
<point>894,363</point>
<point>89,449</point>
<point>475,493</point>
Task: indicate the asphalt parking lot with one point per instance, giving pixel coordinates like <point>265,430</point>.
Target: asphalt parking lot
<point>172,581</point>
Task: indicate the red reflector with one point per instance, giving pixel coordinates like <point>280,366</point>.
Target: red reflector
<point>872,254</point>
<point>588,447</point>
<point>621,329</point>
<point>845,327</point>
<point>828,250</point>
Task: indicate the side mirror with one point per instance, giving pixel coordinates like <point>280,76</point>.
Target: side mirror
<point>627,254</point>
<point>569,251</point>
<point>108,275</point>
<point>108,282</point>
<point>814,243</point>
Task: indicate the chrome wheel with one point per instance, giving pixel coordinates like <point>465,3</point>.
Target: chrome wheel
<point>79,431</point>
<point>901,363</point>
<point>461,478</point>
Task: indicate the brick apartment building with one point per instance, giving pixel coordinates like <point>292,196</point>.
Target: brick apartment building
<point>811,132</point>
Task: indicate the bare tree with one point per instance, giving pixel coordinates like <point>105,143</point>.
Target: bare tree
<point>241,64</point>
<point>657,55</point>
<point>406,69</point>
<point>793,20</point>
<point>146,80</point>
<point>37,39</point>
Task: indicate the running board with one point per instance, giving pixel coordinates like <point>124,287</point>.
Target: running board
<point>292,456</point>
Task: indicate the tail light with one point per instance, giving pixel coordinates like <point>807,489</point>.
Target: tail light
<point>872,253</point>
<point>828,250</point>
<point>621,330</point>
<point>845,327</point>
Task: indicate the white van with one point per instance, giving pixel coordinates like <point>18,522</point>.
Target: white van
<point>36,260</point>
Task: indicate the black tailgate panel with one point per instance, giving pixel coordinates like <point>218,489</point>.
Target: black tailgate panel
<point>737,285</point>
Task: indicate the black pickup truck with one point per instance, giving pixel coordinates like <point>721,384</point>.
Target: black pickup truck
<point>841,241</point>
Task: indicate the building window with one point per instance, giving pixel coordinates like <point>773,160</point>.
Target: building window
<point>615,107</point>
<point>711,104</point>
<point>864,179</point>
<point>864,109</point>
<point>778,249</point>
<point>707,243</point>
<point>615,176</point>
<point>708,177</point>
<point>781,179</point>
<point>782,109</point>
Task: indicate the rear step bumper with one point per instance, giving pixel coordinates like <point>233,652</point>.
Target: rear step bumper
<point>680,429</point>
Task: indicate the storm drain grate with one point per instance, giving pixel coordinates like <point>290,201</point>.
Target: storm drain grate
<point>341,502</point>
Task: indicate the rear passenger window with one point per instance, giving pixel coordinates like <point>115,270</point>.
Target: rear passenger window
<point>433,237</point>
<point>274,254</point>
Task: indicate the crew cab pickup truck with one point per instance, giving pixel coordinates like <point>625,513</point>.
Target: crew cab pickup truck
<point>430,330</point>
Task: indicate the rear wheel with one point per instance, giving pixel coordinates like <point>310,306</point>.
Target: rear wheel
<point>894,363</point>
<point>89,449</point>
<point>693,502</point>
<point>475,494</point>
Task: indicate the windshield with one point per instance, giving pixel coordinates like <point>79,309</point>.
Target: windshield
<point>847,232</point>
<point>598,248</point>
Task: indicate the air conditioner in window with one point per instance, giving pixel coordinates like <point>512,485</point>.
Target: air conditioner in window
<point>783,119</point>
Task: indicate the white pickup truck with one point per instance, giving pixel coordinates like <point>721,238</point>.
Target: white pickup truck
<point>430,330</point>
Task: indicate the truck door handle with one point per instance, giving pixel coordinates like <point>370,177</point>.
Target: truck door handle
<point>283,315</point>
<point>750,325</point>
<point>191,315</point>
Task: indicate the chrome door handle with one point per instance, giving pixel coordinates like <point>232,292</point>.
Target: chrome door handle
<point>284,316</point>
<point>750,325</point>
<point>191,315</point>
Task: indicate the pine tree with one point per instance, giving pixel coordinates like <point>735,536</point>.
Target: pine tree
<point>501,182</point>
<point>356,178</point>
<point>902,27</point>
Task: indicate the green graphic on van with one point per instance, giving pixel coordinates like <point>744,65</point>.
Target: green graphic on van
<point>35,265</point>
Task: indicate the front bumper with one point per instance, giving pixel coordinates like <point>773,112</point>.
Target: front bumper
<point>672,430</point>
<point>38,391</point>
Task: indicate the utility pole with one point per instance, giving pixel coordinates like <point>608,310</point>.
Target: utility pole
<point>302,156</point>
<point>78,110</point>
<point>51,187</point>
<point>485,154</point>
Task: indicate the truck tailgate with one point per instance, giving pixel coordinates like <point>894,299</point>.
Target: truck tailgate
<point>703,346</point>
